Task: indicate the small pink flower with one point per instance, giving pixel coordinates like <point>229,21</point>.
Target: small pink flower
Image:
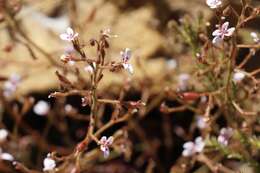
<point>225,135</point>
<point>214,3</point>
<point>191,148</point>
<point>69,35</point>
<point>105,144</point>
<point>222,32</point>
<point>126,55</point>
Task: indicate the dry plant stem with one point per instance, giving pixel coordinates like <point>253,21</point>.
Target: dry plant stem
<point>230,69</point>
<point>245,60</point>
<point>155,102</point>
<point>150,166</point>
<point>176,109</point>
<point>241,111</point>
<point>255,46</point>
<point>215,168</point>
<point>111,123</point>
<point>22,169</point>
<point>93,106</point>
<point>40,141</point>
<point>207,112</point>
<point>255,72</point>
<point>108,101</point>
<point>70,93</point>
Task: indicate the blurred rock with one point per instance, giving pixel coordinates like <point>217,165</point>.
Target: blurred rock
<point>38,75</point>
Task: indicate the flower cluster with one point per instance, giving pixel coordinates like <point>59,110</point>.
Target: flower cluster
<point>191,148</point>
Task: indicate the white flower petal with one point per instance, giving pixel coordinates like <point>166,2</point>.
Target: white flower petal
<point>3,135</point>
<point>230,31</point>
<point>64,37</point>
<point>255,37</point>
<point>106,153</point>
<point>222,140</point>
<point>75,35</point>
<point>110,140</point>
<point>49,164</point>
<point>217,32</point>
<point>89,69</point>
<point>129,68</point>
<point>201,122</point>
<point>69,31</point>
<point>188,145</point>
<point>238,76</point>
<point>224,26</point>
<point>214,3</point>
<point>41,108</point>
<point>7,156</point>
<point>103,139</point>
<point>187,152</point>
<point>103,148</point>
<point>126,55</point>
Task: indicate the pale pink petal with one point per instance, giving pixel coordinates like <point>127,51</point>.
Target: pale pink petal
<point>64,37</point>
<point>217,40</point>
<point>187,153</point>
<point>76,35</point>
<point>106,153</point>
<point>188,145</point>
<point>230,31</point>
<point>216,33</point>
<point>222,140</point>
<point>198,139</point>
<point>103,148</point>
<point>6,156</point>
<point>103,139</point>
<point>110,140</point>
<point>225,25</point>
<point>128,67</point>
